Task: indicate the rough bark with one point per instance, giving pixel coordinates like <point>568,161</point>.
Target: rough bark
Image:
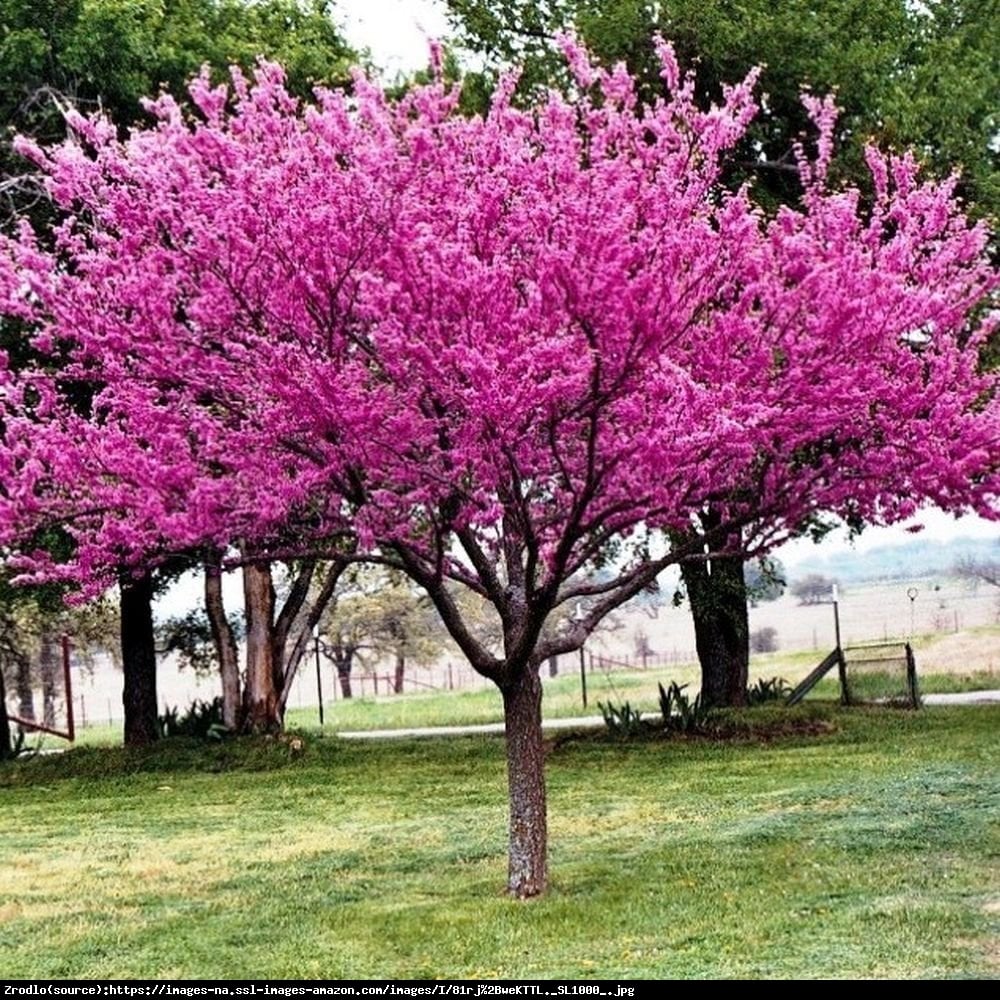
<point>277,645</point>
<point>25,694</point>
<point>225,642</point>
<point>48,667</point>
<point>400,673</point>
<point>343,663</point>
<point>717,593</point>
<point>6,741</point>
<point>261,705</point>
<point>138,661</point>
<point>528,860</point>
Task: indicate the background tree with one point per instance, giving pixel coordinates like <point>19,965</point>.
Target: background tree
<point>977,571</point>
<point>765,580</point>
<point>813,588</point>
<point>919,75</point>
<point>906,75</point>
<point>32,624</point>
<point>190,638</point>
<point>406,626</point>
<point>57,55</point>
<point>376,615</point>
<point>110,54</point>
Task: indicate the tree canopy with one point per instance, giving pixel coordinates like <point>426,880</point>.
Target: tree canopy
<point>905,74</point>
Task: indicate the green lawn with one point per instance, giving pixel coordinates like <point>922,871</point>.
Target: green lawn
<point>562,699</point>
<point>868,851</point>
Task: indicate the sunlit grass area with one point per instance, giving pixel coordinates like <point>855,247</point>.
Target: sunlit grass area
<point>868,850</point>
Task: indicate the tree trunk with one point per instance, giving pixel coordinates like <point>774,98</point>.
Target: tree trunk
<point>138,661</point>
<point>344,675</point>
<point>397,680</point>
<point>6,742</point>
<point>261,706</point>
<point>718,596</point>
<point>48,665</point>
<point>301,627</point>
<point>528,861</point>
<point>553,666</point>
<point>224,640</point>
<point>25,694</point>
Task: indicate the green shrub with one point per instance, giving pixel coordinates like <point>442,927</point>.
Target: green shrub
<point>622,720</point>
<point>202,720</point>
<point>769,689</point>
<point>681,714</point>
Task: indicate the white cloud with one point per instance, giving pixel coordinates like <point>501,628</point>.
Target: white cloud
<point>396,32</point>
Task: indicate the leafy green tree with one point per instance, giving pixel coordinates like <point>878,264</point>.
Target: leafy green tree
<point>31,625</point>
<point>765,580</point>
<point>191,639</point>
<point>377,614</point>
<point>109,54</point>
<point>814,588</point>
<point>113,53</point>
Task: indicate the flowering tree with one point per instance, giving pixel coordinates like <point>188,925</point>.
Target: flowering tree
<point>909,73</point>
<point>495,353</point>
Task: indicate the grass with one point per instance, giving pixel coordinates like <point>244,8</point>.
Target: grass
<point>871,851</point>
<point>978,680</point>
<point>562,700</point>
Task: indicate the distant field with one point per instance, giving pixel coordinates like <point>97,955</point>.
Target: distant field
<point>867,612</point>
<point>868,851</point>
<point>967,661</point>
<point>805,635</point>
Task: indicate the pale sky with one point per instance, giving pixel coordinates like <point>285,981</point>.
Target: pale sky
<point>395,31</point>
<point>937,526</point>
